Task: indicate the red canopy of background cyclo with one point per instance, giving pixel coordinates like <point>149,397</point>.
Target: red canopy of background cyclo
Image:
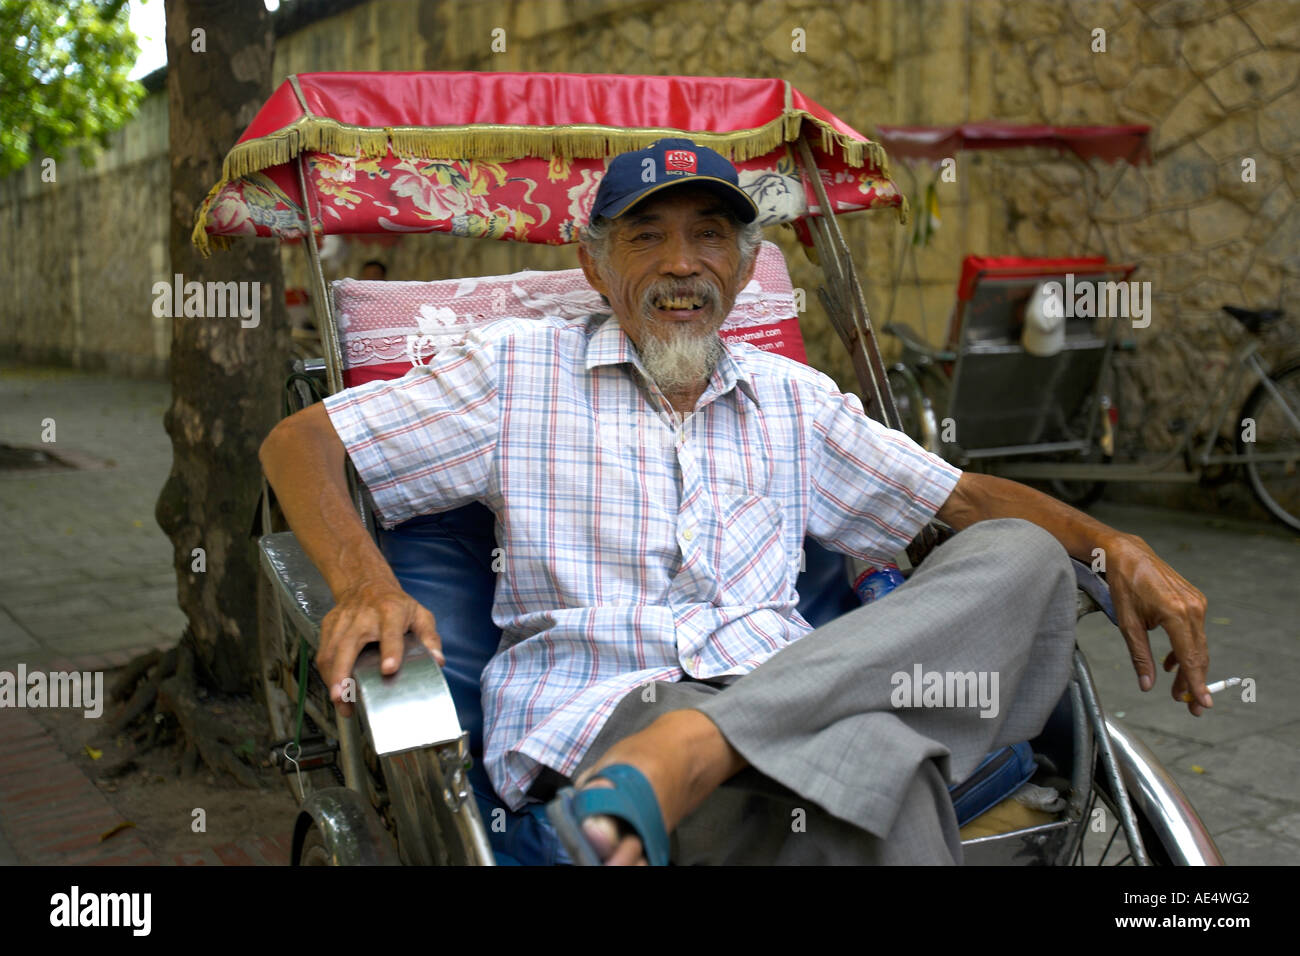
<point>934,143</point>
<point>514,155</point>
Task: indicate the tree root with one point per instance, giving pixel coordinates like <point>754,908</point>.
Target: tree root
<point>131,674</point>
<point>156,686</point>
<point>145,693</point>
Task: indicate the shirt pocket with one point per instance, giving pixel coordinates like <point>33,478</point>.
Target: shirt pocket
<point>752,565</point>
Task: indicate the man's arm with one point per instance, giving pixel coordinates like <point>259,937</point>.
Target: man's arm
<point>303,459</point>
<point>1146,591</point>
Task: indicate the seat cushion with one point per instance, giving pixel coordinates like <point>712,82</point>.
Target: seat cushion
<point>444,561</point>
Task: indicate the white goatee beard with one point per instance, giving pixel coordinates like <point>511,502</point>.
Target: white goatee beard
<point>682,360</point>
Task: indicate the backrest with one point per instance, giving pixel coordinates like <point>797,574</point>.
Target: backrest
<point>1002,396</point>
<point>445,561</point>
<point>386,327</point>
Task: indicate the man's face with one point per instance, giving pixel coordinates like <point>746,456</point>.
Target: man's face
<point>672,276</point>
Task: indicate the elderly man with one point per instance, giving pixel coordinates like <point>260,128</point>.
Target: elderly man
<point>651,652</point>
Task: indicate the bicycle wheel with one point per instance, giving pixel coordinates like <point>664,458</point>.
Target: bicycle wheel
<point>1276,482</point>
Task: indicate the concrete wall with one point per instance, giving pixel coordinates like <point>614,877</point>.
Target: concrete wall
<point>80,253</point>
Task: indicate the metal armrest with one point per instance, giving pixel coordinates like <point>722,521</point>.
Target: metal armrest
<point>409,720</point>
<point>300,590</point>
<point>408,710</point>
<point>914,343</point>
<point>1093,594</point>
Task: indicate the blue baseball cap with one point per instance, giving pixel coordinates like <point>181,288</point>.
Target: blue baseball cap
<point>633,176</point>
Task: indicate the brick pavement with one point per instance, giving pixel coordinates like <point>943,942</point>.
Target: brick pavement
<point>60,817</point>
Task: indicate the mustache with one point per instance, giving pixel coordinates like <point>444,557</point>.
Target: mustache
<point>702,289</point>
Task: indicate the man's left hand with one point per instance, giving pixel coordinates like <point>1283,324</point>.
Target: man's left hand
<point>1149,593</point>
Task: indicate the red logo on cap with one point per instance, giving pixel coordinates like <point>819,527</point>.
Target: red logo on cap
<point>679,160</point>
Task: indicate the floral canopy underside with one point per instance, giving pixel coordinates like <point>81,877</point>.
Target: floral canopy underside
<point>514,155</point>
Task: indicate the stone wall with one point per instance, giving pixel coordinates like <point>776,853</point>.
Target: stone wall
<point>1217,83</point>
<point>1215,79</point>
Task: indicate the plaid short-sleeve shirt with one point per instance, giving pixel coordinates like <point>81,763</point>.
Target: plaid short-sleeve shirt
<point>636,547</point>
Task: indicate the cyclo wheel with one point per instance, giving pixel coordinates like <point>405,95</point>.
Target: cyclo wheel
<point>1080,494</point>
<point>1275,483</point>
<point>314,852</point>
<point>1110,847</point>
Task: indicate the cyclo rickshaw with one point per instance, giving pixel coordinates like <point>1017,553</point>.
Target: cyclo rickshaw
<point>518,156</point>
<point>1019,393</point>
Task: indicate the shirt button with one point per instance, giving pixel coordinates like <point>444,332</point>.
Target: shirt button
<point>688,534</point>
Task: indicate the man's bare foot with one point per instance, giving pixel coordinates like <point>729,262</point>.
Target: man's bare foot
<point>684,757</point>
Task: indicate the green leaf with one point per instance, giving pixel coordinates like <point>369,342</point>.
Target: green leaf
<point>63,76</point>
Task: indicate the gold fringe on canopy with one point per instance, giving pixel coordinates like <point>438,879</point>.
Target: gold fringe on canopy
<point>199,236</point>
<point>503,143</point>
<point>904,212</point>
<point>311,133</point>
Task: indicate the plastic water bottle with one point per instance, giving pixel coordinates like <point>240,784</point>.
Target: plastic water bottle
<point>874,583</point>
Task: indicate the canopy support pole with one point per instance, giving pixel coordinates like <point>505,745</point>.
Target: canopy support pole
<point>320,293</point>
<point>847,307</point>
<point>324,314</point>
<point>846,291</point>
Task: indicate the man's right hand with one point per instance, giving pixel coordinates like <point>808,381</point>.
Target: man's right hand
<point>303,458</point>
<point>366,612</point>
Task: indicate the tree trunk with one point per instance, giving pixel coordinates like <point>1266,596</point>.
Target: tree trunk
<point>226,378</point>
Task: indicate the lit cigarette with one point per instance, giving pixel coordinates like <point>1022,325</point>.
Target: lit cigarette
<point>1214,688</point>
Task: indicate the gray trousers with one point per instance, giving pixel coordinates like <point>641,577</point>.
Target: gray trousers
<point>849,762</point>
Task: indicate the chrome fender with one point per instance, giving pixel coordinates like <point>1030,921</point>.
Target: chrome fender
<point>410,720</point>
<point>1156,795</point>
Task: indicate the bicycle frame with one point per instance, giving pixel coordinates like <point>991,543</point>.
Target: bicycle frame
<point>1245,359</point>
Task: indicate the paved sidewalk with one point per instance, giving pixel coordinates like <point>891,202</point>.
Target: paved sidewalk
<point>84,568</point>
<point>1239,763</point>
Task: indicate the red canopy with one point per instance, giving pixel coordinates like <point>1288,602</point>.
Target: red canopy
<point>1110,143</point>
<point>513,155</point>
<point>1015,267</point>
<point>511,115</point>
